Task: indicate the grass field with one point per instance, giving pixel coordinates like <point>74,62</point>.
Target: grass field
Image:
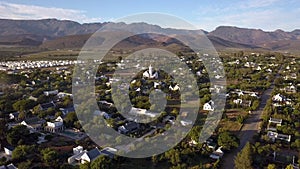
<point>230,123</point>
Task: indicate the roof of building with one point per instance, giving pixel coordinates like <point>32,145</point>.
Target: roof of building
<point>47,105</point>
<point>15,114</point>
<point>94,153</point>
<point>34,121</point>
<point>274,120</point>
<point>9,147</point>
<point>11,166</point>
<point>131,125</point>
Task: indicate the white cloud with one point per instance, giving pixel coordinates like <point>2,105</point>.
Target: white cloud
<point>257,3</point>
<point>19,11</point>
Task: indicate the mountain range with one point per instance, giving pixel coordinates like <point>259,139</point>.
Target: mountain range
<point>57,34</point>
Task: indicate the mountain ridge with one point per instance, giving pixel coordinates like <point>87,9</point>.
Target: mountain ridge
<point>51,31</point>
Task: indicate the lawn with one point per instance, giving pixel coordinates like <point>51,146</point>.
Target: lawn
<point>229,123</point>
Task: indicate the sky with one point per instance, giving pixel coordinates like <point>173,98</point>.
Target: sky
<point>268,15</point>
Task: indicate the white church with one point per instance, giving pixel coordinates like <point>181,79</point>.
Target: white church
<point>150,74</point>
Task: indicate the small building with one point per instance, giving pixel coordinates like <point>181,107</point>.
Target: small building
<point>108,151</point>
<point>186,122</point>
<point>77,150</point>
<point>175,88</point>
<point>211,144</point>
<point>169,119</point>
<point>90,155</point>
<point>145,112</point>
<point>46,106</point>
<point>276,121</point>
<point>11,166</point>
<point>63,95</point>
<point>273,124</point>
<point>209,106</point>
<point>276,136</point>
<point>33,124</point>
<point>56,126</point>
<point>278,98</point>
<point>53,92</point>
<point>128,128</point>
<point>67,110</point>
<point>14,116</point>
<point>8,150</point>
<point>285,159</point>
<point>218,154</point>
<point>290,89</point>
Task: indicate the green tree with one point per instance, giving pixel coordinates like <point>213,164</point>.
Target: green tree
<point>271,166</point>
<point>243,159</point>
<point>102,162</point>
<point>228,141</point>
<point>18,135</point>
<point>23,105</point>
<point>21,152</point>
<point>290,166</point>
<point>25,165</point>
<point>85,166</point>
<point>174,156</point>
<point>3,129</point>
<point>49,155</point>
<point>67,166</point>
<point>70,119</point>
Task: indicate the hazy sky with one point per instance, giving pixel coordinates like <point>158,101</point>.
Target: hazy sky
<point>206,14</point>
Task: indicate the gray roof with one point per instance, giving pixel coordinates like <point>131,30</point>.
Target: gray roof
<point>131,126</point>
<point>93,154</point>
<point>108,153</point>
<point>9,147</point>
<point>11,166</point>
<point>46,106</point>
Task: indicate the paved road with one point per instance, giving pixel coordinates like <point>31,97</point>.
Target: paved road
<point>249,129</point>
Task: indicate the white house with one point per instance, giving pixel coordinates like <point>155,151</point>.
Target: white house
<point>186,122</point>
<point>14,116</point>
<point>8,150</point>
<point>209,106</point>
<point>53,92</point>
<point>217,154</point>
<point>77,150</point>
<point>139,111</point>
<point>175,88</point>
<point>258,68</point>
<point>83,156</point>
<point>63,94</point>
<point>56,126</point>
<point>155,84</point>
<point>278,97</point>
<point>276,136</point>
<point>90,155</point>
<point>276,121</point>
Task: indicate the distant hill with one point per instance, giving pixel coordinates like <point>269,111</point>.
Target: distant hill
<point>277,40</point>
<point>139,42</point>
<point>58,34</point>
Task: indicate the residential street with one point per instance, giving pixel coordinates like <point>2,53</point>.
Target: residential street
<point>249,129</point>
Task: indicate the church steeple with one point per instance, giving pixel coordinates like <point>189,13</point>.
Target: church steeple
<point>150,71</point>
